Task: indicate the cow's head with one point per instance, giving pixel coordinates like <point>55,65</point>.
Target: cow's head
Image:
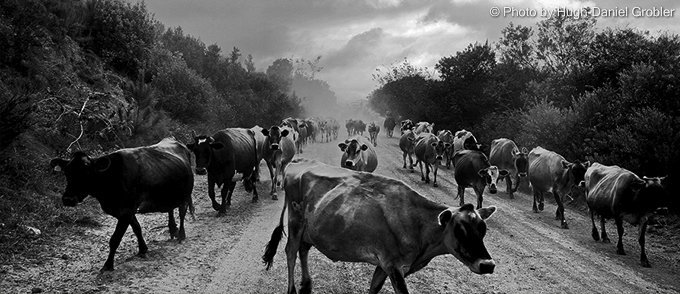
<point>352,150</point>
<point>274,134</point>
<point>490,175</point>
<point>471,143</point>
<point>439,150</point>
<point>652,190</point>
<point>81,173</point>
<point>203,147</point>
<point>577,171</point>
<point>521,160</point>
<point>464,231</point>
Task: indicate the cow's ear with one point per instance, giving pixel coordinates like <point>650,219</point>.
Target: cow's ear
<point>565,164</point>
<point>503,172</point>
<point>191,146</point>
<point>364,147</point>
<point>637,185</point>
<point>483,172</point>
<point>445,217</point>
<point>284,133</point>
<point>58,164</point>
<point>102,164</point>
<point>586,164</point>
<point>342,146</point>
<point>486,212</point>
<point>216,145</point>
<point>447,145</point>
<point>434,144</point>
<point>265,132</point>
<point>411,138</point>
<point>524,150</point>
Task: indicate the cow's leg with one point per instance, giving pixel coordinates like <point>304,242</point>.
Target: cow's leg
<point>508,186</point>
<point>256,197</point>
<point>182,214</point>
<point>559,212</point>
<point>379,276</point>
<point>211,193</point>
<point>427,172</point>
<point>605,238</point>
<point>272,175</point>
<point>541,201</point>
<point>461,194</point>
<point>536,198</point>
<point>410,160</point>
<point>398,282</point>
<point>403,155</point>
<point>172,225</point>
<point>121,227</point>
<point>435,166</point>
<point>641,239</point>
<point>422,175</point>
<point>480,196</point>
<point>137,229</point>
<point>594,233</point>
<point>292,248</point>
<point>516,183</point>
<point>306,283</point>
<point>619,229</point>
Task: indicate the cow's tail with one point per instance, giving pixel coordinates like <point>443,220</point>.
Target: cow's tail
<point>270,249</point>
<point>192,210</point>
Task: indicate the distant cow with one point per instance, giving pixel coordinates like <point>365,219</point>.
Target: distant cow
<point>373,131</point>
<point>303,135</point>
<point>358,154</point>
<point>430,151</point>
<point>222,155</point>
<point>505,154</point>
<point>447,137</point>
<point>614,192</point>
<point>407,144</point>
<point>359,127</point>
<point>472,169</point>
<point>550,172</point>
<point>464,140</point>
<point>278,151</point>
<point>406,124</point>
<point>361,217</point>
<point>261,150</point>
<point>156,178</point>
<point>423,127</point>
<point>389,125</point>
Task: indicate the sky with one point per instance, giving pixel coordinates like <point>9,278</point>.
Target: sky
<point>354,38</point>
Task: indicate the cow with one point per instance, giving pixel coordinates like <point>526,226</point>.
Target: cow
<point>358,154</point>
<point>550,172</point>
<point>156,178</point>
<point>350,126</point>
<point>430,151</point>
<point>407,144</point>
<point>278,152</point>
<point>312,130</point>
<point>361,217</point>
<point>423,127</point>
<point>222,155</point>
<point>614,192</point>
<point>389,125</point>
<point>472,169</point>
<point>406,124</point>
<point>464,140</point>
<point>373,131</point>
<point>261,150</point>
<point>303,135</point>
<point>447,137</point>
<point>335,128</point>
<point>359,127</point>
<point>506,155</point>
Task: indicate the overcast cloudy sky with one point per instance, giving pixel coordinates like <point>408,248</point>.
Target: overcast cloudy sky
<point>356,37</point>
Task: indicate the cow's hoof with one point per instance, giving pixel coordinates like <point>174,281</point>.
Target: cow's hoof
<point>254,200</point>
<point>605,239</point>
<point>216,206</point>
<point>620,251</point>
<point>645,263</point>
<point>274,197</point>
<point>512,196</point>
<point>595,235</point>
<point>564,226</point>
<point>435,185</point>
<point>107,268</point>
<point>540,206</point>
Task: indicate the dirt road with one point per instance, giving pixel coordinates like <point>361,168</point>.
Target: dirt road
<point>222,254</point>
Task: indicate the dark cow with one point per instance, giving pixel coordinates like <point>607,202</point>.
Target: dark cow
<point>359,127</point>
<point>278,151</point>
<point>358,154</point>
<point>505,155</point>
<point>406,124</point>
<point>261,150</point>
<point>350,125</point>
<point>361,217</point>
<point>550,172</point>
<point>614,192</point>
<point>464,140</point>
<point>303,136</point>
<point>472,169</point>
<point>389,125</point>
<point>447,137</point>
<point>430,151</point>
<point>423,127</point>
<point>407,144</point>
<point>156,178</point>
<point>228,151</point>
<point>312,130</point>
<point>373,131</point>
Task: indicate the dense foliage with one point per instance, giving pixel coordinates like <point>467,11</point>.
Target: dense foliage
<point>97,75</point>
<point>611,96</point>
